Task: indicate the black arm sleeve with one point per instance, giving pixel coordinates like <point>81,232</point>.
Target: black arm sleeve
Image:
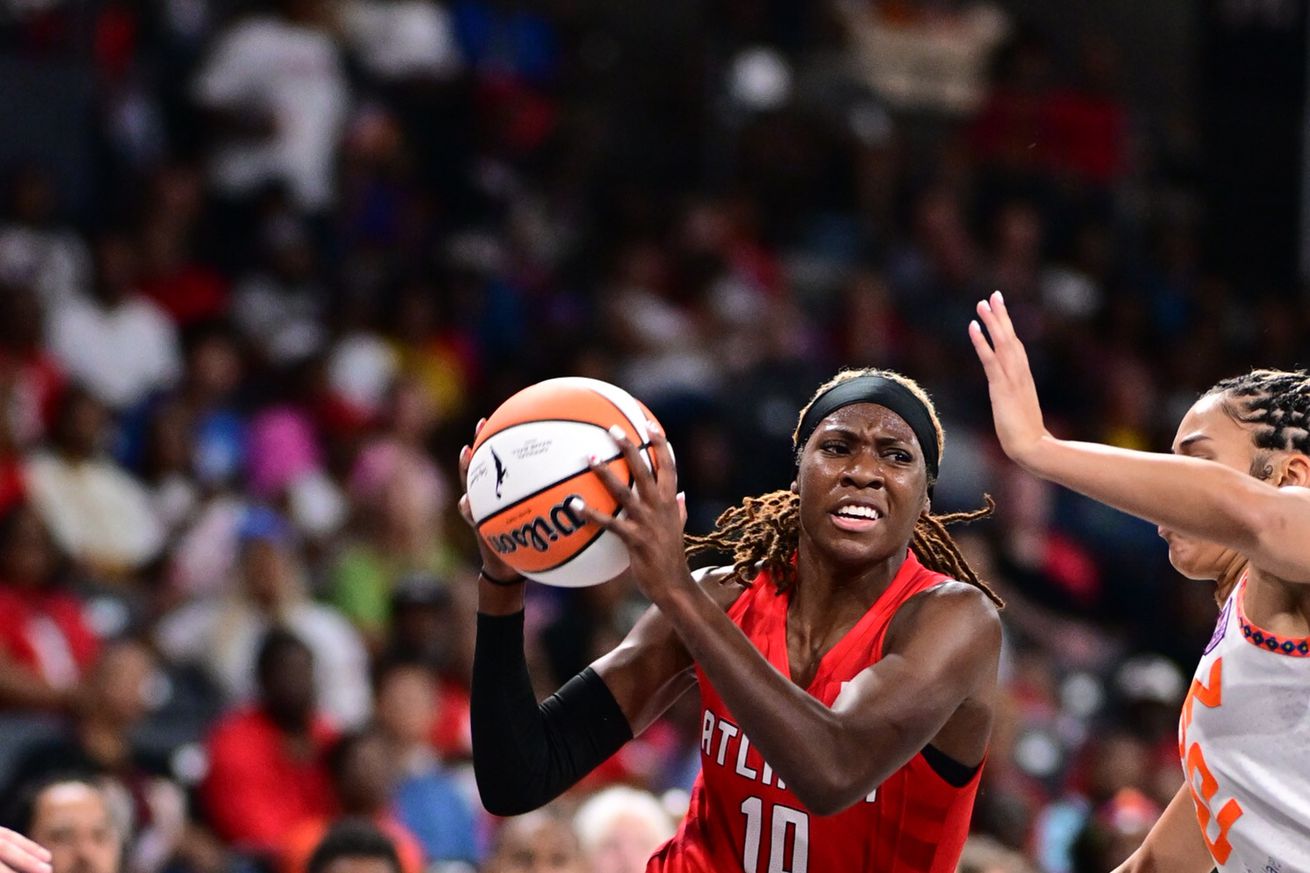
<point>525,754</point>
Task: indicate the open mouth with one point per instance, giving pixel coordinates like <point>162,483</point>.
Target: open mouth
<point>856,517</point>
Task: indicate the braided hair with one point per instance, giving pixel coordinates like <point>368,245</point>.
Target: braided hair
<point>763,533</point>
<point>1276,406</point>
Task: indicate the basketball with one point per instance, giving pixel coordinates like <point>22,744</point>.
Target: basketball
<point>530,460</point>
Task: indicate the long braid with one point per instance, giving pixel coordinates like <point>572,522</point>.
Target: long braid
<point>763,533</point>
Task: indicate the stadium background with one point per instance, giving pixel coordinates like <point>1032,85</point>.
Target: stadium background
<point>262,266</point>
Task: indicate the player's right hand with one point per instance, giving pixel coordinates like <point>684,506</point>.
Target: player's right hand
<point>1015,408</point>
<point>491,562</point>
<point>18,854</point>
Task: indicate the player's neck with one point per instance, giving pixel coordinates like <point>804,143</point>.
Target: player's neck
<point>826,590</point>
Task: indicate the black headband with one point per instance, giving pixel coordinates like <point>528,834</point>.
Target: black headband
<point>884,392</point>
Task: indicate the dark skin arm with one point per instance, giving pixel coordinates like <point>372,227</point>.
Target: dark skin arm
<point>939,663</point>
<point>650,668</point>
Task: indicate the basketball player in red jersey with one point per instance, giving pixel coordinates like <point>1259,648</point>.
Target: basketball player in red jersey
<point>847,678</point>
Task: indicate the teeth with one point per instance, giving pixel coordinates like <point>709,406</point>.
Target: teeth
<point>859,512</point>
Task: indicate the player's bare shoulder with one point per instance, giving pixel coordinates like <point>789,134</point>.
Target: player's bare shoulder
<point>950,605</point>
<point>721,584</point>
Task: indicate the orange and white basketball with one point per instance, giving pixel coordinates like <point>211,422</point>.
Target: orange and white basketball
<point>530,460</point>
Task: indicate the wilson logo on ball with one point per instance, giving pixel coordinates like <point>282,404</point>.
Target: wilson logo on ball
<point>543,530</point>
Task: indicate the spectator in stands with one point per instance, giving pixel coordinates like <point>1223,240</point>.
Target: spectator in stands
<point>116,342</point>
<point>539,841</point>
<point>620,828</point>
<point>98,513</point>
<point>221,632</point>
<point>102,741</point>
<point>363,775</point>
<point>74,818</point>
<point>266,770</point>
<point>274,87</point>
<point>31,380</point>
<point>354,846</point>
<point>46,645</point>
<point>428,799</point>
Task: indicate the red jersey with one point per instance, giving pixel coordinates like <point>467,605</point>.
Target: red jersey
<point>743,817</point>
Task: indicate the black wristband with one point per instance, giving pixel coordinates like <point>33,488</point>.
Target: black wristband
<point>518,579</point>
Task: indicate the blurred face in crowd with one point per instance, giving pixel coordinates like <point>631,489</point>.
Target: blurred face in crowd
<point>1208,432</point>
<point>407,705</point>
<point>536,843</point>
<point>116,269</point>
<point>359,864</point>
<point>73,821</point>
<point>367,775</point>
<point>269,573</point>
<point>27,556</point>
<point>288,686</point>
<point>121,683</point>
<point>215,367</point>
<point>626,846</point>
<point>82,424</point>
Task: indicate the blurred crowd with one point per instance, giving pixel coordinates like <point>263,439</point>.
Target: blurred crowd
<point>298,247</point>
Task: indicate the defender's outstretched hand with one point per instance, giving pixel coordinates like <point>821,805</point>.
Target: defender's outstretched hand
<point>1015,408</point>
<point>18,854</point>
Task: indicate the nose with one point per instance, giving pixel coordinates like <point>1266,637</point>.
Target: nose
<point>864,471</point>
<point>1163,532</point>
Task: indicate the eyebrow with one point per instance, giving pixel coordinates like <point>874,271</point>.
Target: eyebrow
<point>881,439</point>
<point>1192,440</point>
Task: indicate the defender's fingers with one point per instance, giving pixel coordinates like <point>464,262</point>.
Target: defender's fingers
<point>984,349</point>
<point>997,301</point>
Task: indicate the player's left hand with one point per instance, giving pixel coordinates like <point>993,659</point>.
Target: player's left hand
<point>652,515</point>
<point>1015,408</point>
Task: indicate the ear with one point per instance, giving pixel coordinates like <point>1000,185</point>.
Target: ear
<point>1296,470</point>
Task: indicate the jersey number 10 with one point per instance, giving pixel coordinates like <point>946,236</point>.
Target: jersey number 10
<point>783,818</point>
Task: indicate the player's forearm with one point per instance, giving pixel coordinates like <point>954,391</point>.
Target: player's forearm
<point>1174,844</point>
<point>797,735</point>
<point>525,754</point>
<point>1192,496</point>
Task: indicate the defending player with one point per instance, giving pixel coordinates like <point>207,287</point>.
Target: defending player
<point>847,681</point>
<point>1233,505</point>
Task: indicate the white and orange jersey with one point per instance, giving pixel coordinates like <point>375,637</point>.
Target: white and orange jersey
<point>1244,738</point>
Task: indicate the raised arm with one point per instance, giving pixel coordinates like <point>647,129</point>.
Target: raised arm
<point>1269,525</point>
<point>830,757</point>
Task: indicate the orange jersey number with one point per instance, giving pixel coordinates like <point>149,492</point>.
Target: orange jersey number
<point>1200,780</point>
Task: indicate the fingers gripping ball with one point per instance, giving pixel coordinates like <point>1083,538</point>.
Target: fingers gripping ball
<point>531,459</point>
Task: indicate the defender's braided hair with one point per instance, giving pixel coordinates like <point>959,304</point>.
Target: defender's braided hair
<point>1276,403</point>
<point>1276,406</point>
<point>763,533</point>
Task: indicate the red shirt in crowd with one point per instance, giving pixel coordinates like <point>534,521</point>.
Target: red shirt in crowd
<point>257,790</point>
<point>45,632</point>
